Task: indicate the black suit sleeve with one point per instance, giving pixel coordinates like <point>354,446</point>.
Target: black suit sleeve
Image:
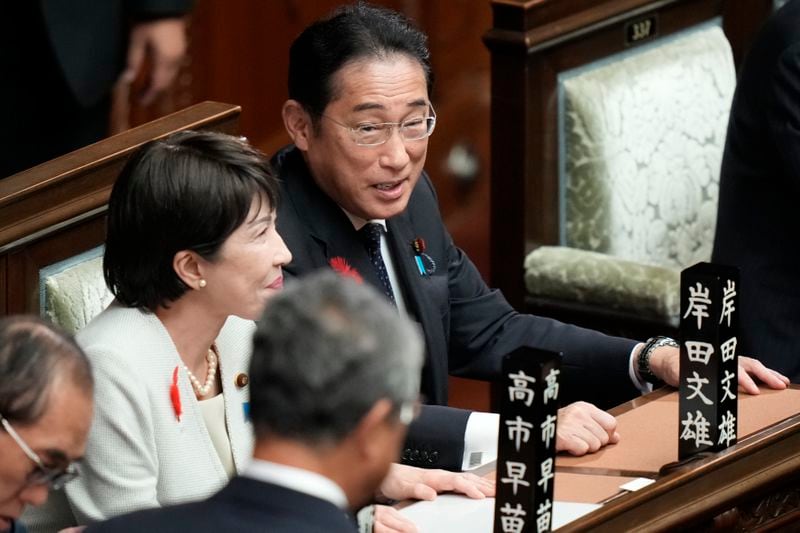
<point>436,438</point>
<point>483,327</point>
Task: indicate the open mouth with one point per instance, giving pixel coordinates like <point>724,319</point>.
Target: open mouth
<point>391,188</point>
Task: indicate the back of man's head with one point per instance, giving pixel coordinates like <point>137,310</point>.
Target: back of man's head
<point>325,351</point>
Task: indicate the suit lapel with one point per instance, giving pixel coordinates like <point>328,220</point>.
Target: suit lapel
<point>417,296</point>
<point>235,339</point>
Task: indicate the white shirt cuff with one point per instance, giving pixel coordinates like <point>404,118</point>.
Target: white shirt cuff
<point>638,382</point>
<point>480,439</point>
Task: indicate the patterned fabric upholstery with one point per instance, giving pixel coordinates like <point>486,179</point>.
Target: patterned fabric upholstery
<point>642,135</point>
<point>75,295</point>
<point>571,274</point>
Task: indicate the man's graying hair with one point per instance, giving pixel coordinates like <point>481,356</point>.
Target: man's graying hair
<point>33,355</point>
<point>325,350</point>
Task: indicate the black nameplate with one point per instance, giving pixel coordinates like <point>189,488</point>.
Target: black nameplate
<point>526,442</point>
<point>643,29</point>
<point>709,370</point>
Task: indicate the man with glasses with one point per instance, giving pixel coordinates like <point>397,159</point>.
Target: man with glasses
<point>334,379</point>
<point>355,198</point>
<point>45,412</point>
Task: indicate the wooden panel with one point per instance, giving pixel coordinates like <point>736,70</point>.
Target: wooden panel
<point>73,185</point>
<point>25,262</point>
<point>3,296</point>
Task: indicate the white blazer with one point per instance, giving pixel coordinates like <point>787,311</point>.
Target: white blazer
<point>139,455</point>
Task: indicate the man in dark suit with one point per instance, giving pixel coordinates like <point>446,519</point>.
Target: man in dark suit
<point>757,225</point>
<point>334,382</point>
<point>60,60</point>
<point>46,391</point>
<point>359,115</point>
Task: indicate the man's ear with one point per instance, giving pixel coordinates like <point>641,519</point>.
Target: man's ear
<point>371,432</point>
<point>298,123</point>
<point>187,267</point>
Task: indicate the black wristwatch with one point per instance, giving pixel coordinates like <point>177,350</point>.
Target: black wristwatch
<point>643,359</point>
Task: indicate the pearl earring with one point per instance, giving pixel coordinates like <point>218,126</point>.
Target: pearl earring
<point>202,283</point>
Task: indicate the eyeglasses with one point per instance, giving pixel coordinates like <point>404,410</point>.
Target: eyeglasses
<point>54,478</point>
<point>375,134</point>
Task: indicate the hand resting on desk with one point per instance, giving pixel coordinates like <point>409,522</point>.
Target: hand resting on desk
<point>583,428</point>
<point>407,482</point>
<point>665,364</point>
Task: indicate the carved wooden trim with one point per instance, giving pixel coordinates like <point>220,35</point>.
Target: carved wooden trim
<point>775,509</point>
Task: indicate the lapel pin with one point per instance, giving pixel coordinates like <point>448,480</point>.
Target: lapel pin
<point>425,263</point>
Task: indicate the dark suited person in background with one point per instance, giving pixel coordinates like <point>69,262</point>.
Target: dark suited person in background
<point>355,198</point>
<point>60,60</point>
<point>334,381</point>
<point>757,224</point>
<point>45,412</point>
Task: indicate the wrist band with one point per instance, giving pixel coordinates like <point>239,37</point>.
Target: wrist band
<point>643,359</point>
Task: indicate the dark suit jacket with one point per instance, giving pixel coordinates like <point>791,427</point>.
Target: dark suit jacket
<point>757,223</point>
<point>468,327</point>
<point>243,505</point>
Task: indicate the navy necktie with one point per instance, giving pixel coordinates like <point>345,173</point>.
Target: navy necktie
<point>371,234</point>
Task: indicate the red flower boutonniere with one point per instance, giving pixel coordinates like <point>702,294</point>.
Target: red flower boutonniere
<point>340,265</point>
<point>175,395</point>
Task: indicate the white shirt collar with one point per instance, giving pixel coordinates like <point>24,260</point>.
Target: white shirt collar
<point>297,479</point>
<point>359,222</point>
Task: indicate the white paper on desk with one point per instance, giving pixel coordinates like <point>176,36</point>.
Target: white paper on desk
<point>450,513</point>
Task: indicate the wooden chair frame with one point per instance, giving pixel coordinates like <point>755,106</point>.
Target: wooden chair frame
<point>530,43</point>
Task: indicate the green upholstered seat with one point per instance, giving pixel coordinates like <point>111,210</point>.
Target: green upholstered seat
<point>642,135</point>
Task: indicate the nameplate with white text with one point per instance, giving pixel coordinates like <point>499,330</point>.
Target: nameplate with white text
<point>526,447</point>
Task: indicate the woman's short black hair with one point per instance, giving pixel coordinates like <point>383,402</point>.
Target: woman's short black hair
<point>189,191</point>
<point>352,32</point>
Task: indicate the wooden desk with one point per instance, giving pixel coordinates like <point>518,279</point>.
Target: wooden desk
<point>753,485</point>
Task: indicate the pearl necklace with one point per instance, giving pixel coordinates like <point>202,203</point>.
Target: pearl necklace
<point>204,389</point>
